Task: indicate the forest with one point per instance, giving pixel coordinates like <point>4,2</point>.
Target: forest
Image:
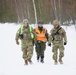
<point>35,10</point>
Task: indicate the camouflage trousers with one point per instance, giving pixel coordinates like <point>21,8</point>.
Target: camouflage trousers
<point>40,48</point>
<point>27,51</point>
<point>55,51</point>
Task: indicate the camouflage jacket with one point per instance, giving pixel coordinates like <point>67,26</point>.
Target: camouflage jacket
<point>57,36</point>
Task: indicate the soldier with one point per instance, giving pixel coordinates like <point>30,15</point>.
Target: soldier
<point>41,39</point>
<point>59,39</point>
<point>26,34</point>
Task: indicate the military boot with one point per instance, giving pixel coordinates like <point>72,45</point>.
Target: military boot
<point>55,63</point>
<point>30,61</point>
<point>26,63</point>
<point>60,60</point>
<point>42,59</point>
<point>38,58</point>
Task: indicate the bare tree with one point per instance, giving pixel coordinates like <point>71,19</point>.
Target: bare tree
<point>17,11</point>
<point>60,11</point>
<point>55,9</point>
<point>35,11</point>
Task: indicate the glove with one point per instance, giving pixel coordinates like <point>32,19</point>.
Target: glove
<point>17,42</point>
<point>49,44</point>
<point>21,36</point>
<point>65,43</point>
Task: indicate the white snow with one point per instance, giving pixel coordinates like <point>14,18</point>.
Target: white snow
<point>11,62</point>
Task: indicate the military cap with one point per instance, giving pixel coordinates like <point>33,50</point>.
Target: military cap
<point>40,22</point>
<point>25,21</point>
<point>55,22</point>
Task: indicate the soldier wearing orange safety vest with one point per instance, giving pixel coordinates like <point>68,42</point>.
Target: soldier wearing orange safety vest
<point>41,39</point>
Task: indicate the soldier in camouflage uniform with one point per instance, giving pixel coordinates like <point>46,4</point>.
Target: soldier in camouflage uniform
<point>26,41</point>
<point>59,39</point>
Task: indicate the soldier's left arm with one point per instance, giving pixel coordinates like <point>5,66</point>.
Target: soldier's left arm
<point>64,35</point>
<point>47,35</point>
<point>34,35</point>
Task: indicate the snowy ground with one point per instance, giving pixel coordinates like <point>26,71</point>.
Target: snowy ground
<point>11,62</point>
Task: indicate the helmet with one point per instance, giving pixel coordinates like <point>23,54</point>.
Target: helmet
<point>25,21</point>
<point>55,22</point>
<point>40,22</point>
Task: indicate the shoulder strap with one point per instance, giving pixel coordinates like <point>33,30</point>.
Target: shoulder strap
<point>21,28</point>
<point>57,31</point>
<point>30,28</point>
<point>55,34</point>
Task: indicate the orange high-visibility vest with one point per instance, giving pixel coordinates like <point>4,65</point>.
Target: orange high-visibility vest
<point>41,35</point>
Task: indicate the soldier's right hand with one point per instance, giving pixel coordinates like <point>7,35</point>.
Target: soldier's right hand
<point>65,43</point>
<point>49,44</point>
<point>21,36</point>
<point>17,42</point>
